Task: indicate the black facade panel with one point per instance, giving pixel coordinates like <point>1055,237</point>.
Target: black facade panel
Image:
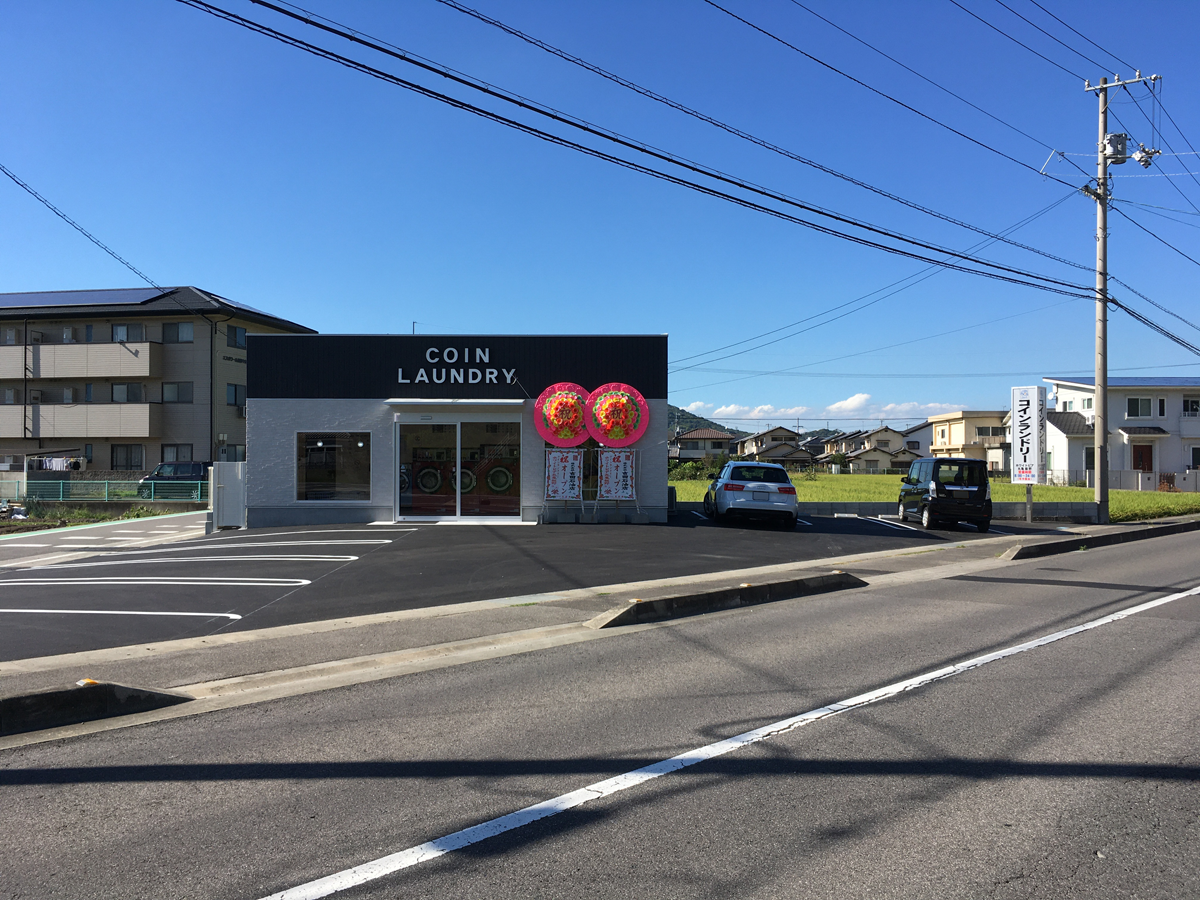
<point>329,366</point>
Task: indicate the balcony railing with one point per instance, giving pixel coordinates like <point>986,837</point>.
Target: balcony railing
<point>138,359</point>
<point>81,420</point>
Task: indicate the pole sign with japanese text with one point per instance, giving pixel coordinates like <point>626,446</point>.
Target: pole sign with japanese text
<point>1029,435</point>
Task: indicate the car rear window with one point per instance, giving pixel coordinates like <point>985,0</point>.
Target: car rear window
<point>759,473</point>
<point>962,474</point>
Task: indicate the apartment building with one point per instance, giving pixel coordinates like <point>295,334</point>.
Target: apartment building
<point>126,378</point>
<point>975,434</point>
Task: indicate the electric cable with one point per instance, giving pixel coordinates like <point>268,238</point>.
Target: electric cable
<point>1100,66</point>
<point>915,279</point>
<point>1152,211</point>
<point>1082,35</point>
<point>87,234</point>
<point>1000,31</point>
<point>1162,241</point>
<point>737,132</point>
<point>1167,144</point>
<point>1052,285</point>
<point>883,94</point>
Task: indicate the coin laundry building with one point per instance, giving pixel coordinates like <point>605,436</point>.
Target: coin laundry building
<point>469,428</point>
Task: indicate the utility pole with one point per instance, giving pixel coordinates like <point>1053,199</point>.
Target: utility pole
<point>1110,148</point>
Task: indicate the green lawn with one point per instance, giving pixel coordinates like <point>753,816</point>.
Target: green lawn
<point>1123,505</point>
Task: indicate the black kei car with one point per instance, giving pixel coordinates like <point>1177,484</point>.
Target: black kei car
<point>174,481</point>
<point>947,490</point>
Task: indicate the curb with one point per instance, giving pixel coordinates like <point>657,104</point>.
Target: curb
<point>639,611</point>
<point>82,703</point>
<point>1088,542</point>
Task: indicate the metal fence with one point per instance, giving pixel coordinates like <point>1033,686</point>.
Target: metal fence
<point>110,490</point>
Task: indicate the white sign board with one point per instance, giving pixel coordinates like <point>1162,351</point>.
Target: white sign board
<point>616,475</point>
<point>1029,435</point>
<point>564,475</point>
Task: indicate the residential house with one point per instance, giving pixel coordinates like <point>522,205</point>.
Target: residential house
<point>699,443</point>
<point>975,434</point>
<point>918,438</point>
<point>125,379</point>
<point>769,444</point>
<point>1154,425</point>
<point>880,448</point>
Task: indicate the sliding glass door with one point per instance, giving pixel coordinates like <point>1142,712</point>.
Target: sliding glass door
<point>458,469</point>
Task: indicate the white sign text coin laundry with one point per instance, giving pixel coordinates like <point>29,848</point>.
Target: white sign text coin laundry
<point>464,373</point>
<point>1029,435</point>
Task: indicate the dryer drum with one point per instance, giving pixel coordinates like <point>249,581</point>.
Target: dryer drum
<point>499,479</point>
<point>465,479</point>
<point>429,480</point>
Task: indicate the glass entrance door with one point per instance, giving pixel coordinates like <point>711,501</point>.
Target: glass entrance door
<point>425,477</point>
<point>490,467</point>
<point>453,469</point>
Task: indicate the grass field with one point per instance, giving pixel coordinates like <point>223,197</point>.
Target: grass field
<point>1123,506</point>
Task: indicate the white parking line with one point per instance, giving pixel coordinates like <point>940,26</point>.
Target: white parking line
<point>699,515</point>
<point>121,612</point>
<point>209,547</point>
<point>174,582</point>
<point>879,521</point>
<point>901,525</point>
<point>14,544</point>
<point>186,559</point>
<point>395,862</point>
<point>804,521</point>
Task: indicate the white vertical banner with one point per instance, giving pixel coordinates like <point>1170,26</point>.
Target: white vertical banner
<point>616,475</point>
<point>564,475</point>
<point>1029,435</point>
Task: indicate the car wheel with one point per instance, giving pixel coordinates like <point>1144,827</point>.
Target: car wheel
<point>983,525</point>
<point>927,520</point>
<point>901,513</point>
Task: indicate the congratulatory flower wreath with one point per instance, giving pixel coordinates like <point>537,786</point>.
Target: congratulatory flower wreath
<point>617,414</point>
<point>559,414</point>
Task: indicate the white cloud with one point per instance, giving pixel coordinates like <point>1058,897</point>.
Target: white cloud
<point>733,411</point>
<point>849,405</point>
<point>698,407</point>
<point>914,409</point>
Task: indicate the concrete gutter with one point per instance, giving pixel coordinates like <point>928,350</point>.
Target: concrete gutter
<point>637,611</point>
<point>83,702</point>
<point>1092,541</point>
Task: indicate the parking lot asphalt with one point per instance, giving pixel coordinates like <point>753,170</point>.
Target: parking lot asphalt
<point>130,593</point>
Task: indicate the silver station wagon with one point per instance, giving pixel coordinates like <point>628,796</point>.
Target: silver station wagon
<point>752,491</point>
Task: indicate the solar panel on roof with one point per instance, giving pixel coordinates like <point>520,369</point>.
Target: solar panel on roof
<point>80,298</point>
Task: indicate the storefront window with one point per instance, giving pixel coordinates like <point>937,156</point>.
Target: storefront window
<point>333,466</point>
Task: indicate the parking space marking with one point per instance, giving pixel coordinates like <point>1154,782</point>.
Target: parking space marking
<point>804,521</point>
<point>25,545</point>
<point>186,559</point>
<point>699,515</point>
<point>881,522</point>
<point>226,537</point>
<point>121,612</point>
<point>903,525</point>
<point>210,547</point>
<point>149,581</point>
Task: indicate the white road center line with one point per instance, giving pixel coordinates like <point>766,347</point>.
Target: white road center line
<point>121,612</point>
<point>387,865</point>
<point>174,582</point>
<point>186,559</point>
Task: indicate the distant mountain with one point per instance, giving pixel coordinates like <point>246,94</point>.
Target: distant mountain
<point>686,421</point>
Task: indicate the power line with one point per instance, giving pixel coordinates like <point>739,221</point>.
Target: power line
<point>1156,327</point>
<point>1052,285</point>
<point>1100,66</point>
<point>1168,146</point>
<point>1015,41</point>
<point>1082,35</point>
<point>730,129</point>
<point>918,340</point>
<point>87,234</point>
<point>910,375</point>
<point>1153,211</point>
<point>1162,241</point>
<point>883,94</point>
<point>914,279</point>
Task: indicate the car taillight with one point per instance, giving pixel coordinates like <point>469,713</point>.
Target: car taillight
<point>735,487</point>
<point>786,490</point>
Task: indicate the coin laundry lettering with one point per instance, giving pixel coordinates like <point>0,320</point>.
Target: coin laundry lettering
<point>464,375</point>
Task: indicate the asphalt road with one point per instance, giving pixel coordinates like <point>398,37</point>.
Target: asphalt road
<point>130,593</point>
<point>1070,770</point>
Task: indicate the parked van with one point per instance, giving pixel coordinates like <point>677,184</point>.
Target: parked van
<point>949,489</point>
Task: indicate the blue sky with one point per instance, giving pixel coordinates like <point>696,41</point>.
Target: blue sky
<point>209,155</point>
